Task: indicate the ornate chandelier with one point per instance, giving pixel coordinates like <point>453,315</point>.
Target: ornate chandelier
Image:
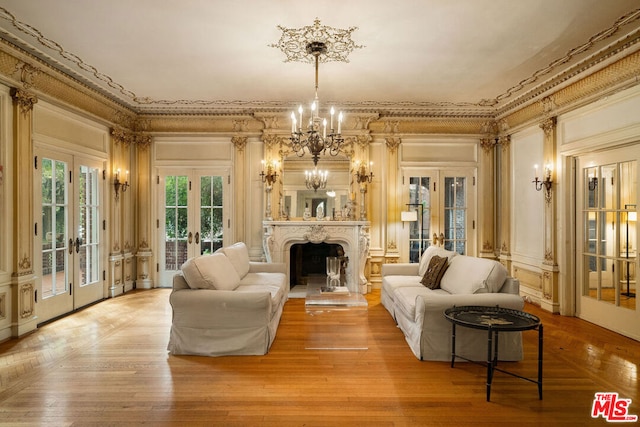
<point>315,138</point>
<point>315,179</point>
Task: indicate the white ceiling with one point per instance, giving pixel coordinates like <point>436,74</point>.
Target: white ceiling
<point>158,55</point>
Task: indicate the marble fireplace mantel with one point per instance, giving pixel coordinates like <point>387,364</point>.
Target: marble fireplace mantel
<point>353,236</point>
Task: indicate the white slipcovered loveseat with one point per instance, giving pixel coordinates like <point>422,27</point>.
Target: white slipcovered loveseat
<point>419,310</point>
<point>224,304</point>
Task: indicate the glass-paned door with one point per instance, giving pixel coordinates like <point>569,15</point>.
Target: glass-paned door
<point>193,217</point>
<point>607,205</point>
<point>69,207</point>
<point>445,210</point>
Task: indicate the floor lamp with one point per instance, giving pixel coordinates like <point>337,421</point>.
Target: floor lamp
<point>631,217</point>
<point>411,216</point>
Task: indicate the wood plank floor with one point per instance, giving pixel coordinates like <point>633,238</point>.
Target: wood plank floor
<point>108,365</point>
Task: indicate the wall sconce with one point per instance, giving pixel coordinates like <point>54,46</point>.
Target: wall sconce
<point>270,175</point>
<point>361,173</point>
<point>119,185</point>
<point>546,183</point>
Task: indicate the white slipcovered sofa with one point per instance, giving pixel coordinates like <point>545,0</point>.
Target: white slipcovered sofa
<point>419,311</point>
<point>224,304</point>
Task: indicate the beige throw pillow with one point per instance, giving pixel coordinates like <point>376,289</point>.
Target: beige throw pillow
<point>435,271</point>
<point>211,272</point>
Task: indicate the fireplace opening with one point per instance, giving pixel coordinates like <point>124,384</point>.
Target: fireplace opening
<point>309,259</point>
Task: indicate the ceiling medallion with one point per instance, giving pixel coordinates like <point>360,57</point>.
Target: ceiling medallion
<point>294,41</point>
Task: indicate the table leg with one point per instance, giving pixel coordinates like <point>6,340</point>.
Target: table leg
<point>453,343</point>
<point>489,363</point>
<point>540,361</point>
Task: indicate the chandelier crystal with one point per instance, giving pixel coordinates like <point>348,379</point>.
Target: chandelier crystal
<point>314,137</point>
<point>315,179</point>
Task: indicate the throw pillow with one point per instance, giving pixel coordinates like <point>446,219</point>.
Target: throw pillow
<point>435,271</point>
<point>211,272</point>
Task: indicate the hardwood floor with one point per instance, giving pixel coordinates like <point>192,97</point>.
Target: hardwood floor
<point>108,365</point>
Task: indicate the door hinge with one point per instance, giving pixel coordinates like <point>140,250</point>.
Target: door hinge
<point>189,185</point>
<point>473,224</point>
<point>35,162</point>
<point>228,223</point>
<point>474,181</point>
<point>70,288</point>
<point>35,229</point>
<point>402,179</point>
<point>434,186</point>
<point>158,268</point>
<point>104,275</point>
<point>36,296</point>
<point>104,174</point>
<point>70,177</point>
<point>157,179</point>
<point>228,179</point>
<point>157,223</point>
<point>104,225</point>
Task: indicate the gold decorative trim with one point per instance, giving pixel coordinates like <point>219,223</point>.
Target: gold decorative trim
<point>393,143</point>
<point>293,43</point>
<point>27,299</point>
<point>239,142</point>
<point>27,74</point>
<point>3,305</point>
<point>24,100</point>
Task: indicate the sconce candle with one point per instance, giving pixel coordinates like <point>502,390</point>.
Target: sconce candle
<point>119,185</point>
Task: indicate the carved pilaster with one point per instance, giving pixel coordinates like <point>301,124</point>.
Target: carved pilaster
<point>486,197</point>
<point>550,297</point>
<point>503,199</point>
<point>24,315</point>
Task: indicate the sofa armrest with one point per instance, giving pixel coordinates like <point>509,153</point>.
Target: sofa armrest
<point>510,286</point>
<point>430,308</point>
<point>267,267</point>
<point>207,308</point>
<point>402,269</point>
<point>179,282</point>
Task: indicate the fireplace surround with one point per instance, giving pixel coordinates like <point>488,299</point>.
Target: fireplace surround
<point>353,236</point>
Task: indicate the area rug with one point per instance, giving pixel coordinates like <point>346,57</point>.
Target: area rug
<point>298,291</point>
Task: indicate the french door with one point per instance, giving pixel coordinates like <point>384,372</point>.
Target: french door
<point>193,217</point>
<point>607,239</point>
<point>68,211</point>
<point>445,205</point>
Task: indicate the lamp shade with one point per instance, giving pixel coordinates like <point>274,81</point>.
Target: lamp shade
<point>408,216</point>
<point>633,216</point>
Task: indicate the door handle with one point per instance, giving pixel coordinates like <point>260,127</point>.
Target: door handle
<point>78,244</point>
<point>70,246</point>
<point>197,237</point>
<point>190,238</point>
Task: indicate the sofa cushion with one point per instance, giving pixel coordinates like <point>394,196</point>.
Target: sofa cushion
<point>437,267</point>
<point>210,272</point>
<point>238,254</point>
<point>471,275</point>
<point>429,253</point>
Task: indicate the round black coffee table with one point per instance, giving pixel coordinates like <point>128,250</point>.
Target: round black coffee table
<point>494,320</point>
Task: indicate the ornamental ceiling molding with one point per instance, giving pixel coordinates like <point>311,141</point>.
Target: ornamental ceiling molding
<point>293,43</point>
<point>121,96</point>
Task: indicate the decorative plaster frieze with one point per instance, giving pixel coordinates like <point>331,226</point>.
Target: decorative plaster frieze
<point>26,73</point>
